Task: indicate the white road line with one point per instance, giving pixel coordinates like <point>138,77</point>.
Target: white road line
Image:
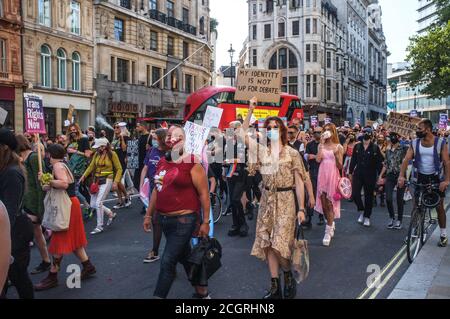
<point>116,199</point>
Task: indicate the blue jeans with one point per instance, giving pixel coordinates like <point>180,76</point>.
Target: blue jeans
<point>178,231</point>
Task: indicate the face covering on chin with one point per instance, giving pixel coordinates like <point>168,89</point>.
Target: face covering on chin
<point>420,134</point>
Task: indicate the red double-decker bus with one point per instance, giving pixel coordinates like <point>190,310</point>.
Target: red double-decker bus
<point>289,106</point>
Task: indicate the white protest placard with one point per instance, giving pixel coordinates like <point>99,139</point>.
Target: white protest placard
<point>3,115</point>
<point>212,117</point>
<point>196,136</point>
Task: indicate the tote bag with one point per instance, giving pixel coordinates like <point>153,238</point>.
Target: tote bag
<point>57,210</point>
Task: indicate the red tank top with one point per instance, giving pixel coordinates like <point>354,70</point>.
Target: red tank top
<point>175,188</point>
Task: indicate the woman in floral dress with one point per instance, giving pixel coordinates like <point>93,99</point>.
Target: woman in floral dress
<point>283,173</point>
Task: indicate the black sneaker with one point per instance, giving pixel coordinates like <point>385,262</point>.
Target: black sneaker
<point>43,267</point>
<point>233,233</point>
<point>198,296</point>
<point>443,242</point>
<point>391,224</point>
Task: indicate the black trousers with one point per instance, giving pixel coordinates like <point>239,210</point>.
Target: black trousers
<point>18,275</point>
<point>237,189</point>
<point>391,182</point>
<point>253,189</point>
<point>310,210</point>
<point>367,182</point>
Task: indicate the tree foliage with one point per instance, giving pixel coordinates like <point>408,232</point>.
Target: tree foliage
<point>443,9</point>
<point>429,56</point>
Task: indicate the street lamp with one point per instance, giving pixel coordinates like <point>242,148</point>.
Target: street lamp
<point>231,52</point>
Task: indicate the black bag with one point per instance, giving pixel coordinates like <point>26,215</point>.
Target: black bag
<point>22,233</point>
<point>205,261</point>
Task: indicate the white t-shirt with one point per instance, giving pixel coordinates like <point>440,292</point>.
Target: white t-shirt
<point>426,165</point>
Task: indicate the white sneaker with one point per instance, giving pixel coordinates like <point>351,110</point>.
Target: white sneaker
<point>361,219</point>
<point>332,230</point>
<point>128,203</point>
<point>366,222</point>
<point>327,238</point>
<point>398,225</point>
<point>111,219</point>
<point>391,224</point>
<point>97,231</point>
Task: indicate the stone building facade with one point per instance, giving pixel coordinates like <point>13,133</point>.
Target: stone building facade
<point>150,56</point>
<point>306,41</point>
<point>58,59</point>
<point>11,80</point>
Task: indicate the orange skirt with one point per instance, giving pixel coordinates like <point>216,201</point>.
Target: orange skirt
<point>66,242</point>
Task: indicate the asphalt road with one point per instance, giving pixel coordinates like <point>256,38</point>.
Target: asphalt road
<point>337,272</point>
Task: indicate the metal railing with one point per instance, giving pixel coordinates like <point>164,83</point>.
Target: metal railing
<point>173,22</point>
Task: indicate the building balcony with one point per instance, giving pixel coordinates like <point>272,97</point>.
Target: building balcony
<point>4,75</point>
<point>171,21</point>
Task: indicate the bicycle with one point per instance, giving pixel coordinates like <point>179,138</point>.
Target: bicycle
<point>426,199</point>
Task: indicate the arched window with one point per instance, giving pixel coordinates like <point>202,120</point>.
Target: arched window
<point>46,66</point>
<point>76,71</point>
<point>363,119</point>
<point>283,59</point>
<point>62,69</point>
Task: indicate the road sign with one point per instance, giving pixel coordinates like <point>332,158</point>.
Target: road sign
<point>393,84</point>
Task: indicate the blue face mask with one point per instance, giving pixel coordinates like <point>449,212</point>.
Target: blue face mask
<point>273,135</point>
<point>155,144</point>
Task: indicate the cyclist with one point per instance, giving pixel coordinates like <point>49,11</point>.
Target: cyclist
<point>430,160</point>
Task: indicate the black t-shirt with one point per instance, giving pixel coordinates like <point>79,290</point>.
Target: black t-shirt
<point>12,188</point>
<point>142,149</point>
<point>82,145</point>
<point>312,149</point>
<point>117,147</point>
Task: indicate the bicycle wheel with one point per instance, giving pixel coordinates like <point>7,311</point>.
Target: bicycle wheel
<point>217,208</point>
<point>415,239</point>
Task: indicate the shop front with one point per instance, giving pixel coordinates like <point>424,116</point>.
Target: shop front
<point>11,102</point>
<point>123,112</point>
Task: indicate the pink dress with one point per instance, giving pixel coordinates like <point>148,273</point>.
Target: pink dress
<point>327,182</point>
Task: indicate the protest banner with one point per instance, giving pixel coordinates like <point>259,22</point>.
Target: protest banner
<point>314,121</point>
<point>258,113</point>
<point>35,120</point>
<point>413,113</point>
<point>346,123</point>
<point>443,121</point>
<point>212,117</point>
<point>133,154</point>
<point>262,84</point>
<point>402,124</point>
<point>370,123</point>
<point>3,115</point>
<point>327,120</point>
<point>196,136</point>
<point>322,117</point>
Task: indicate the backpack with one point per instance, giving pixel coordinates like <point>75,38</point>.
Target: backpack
<point>439,144</point>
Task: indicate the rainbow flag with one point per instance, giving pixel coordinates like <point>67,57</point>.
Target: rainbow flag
<point>232,170</point>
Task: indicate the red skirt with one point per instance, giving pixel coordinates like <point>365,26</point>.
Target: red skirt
<point>66,242</point>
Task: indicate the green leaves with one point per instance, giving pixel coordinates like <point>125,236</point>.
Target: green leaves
<point>429,56</point>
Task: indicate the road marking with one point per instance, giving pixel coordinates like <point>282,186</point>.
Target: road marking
<point>388,277</point>
<point>385,269</point>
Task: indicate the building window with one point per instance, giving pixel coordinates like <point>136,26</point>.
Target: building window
<point>62,62</point>
<point>315,30</point>
<point>267,31</point>
<point>308,26</point>
<point>170,9</point>
<point>122,70</point>
<point>281,29</point>
<point>328,60</point>
<point>156,75</point>
<point>75,16</point>
<point>308,86</point>
<point>337,92</point>
<point>328,90</point>
<point>202,25</point>
<point>3,65</point>
<point>308,53</point>
<point>153,40</point>
<point>269,6</point>
<point>283,59</point>
<point>1,8</point>
<point>255,30</point>
<point>314,86</point>
<point>113,69</point>
<point>185,50</point>
<point>293,85</point>
<point>296,28</point>
<point>153,4</point>
<point>188,83</point>
<point>46,66</point>
<point>170,46</point>
<point>255,57</point>
<point>118,29</point>
<point>125,4</point>
<point>315,53</point>
<point>185,16</point>
<point>45,13</point>
<point>76,71</point>
<point>254,9</point>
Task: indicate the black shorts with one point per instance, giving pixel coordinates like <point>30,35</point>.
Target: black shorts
<point>433,179</point>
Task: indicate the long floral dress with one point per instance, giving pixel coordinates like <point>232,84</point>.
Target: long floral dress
<point>277,213</point>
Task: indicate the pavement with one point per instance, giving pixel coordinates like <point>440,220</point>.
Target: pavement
<point>345,270</point>
<point>429,275</point>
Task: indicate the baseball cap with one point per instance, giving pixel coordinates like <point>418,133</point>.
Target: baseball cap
<point>100,142</point>
<point>8,138</point>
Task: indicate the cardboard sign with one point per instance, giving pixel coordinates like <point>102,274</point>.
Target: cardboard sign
<point>443,121</point>
<point>3,115</point>
<point>212,117</point>
<point>133,154</point>
<point>34,114</point>
<point>196,136</point>
<point>370,123</point>
<point>346,123</point>
<point>258,113</point>
<point>402,124</point>
<point>322,117</point>
<point>262,84</point>
<point>314,121</point>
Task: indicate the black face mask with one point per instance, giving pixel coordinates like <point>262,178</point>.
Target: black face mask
<point>420,134</point>
<point>168,155</point>
<point>367,137</point>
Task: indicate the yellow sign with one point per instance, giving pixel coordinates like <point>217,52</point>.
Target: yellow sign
<point>257,113</point>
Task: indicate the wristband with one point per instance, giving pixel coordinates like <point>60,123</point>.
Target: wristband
<point>147,217</point>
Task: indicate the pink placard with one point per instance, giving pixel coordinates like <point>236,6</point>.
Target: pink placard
<point>34,115</point>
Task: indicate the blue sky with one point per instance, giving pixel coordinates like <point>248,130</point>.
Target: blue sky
<point>399,23</point>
